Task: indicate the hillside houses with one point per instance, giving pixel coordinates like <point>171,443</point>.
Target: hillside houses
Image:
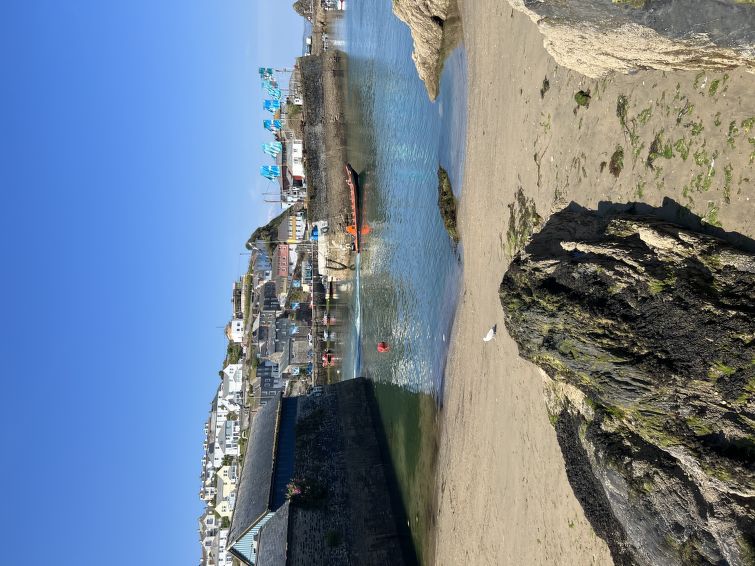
<point>271,345</point>
<point>270,361</point>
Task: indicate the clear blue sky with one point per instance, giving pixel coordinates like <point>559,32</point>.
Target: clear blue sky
<point>130,140</point>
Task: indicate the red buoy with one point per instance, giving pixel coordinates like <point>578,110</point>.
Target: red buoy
<point>383,347</point>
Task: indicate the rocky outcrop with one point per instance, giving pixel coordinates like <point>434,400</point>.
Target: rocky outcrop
<point>435,26</point>
<point>595,37</point>
<point>646,331</point>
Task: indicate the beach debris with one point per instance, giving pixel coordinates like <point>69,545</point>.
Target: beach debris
<point>545,88</point>
<point>491,334</point>
<point>617,161</point>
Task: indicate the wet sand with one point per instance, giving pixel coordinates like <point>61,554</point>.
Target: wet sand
<point>502,491</point>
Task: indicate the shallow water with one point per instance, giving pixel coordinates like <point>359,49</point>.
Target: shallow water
<point>409,270</point>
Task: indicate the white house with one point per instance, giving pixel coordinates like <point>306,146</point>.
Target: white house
<point>208,540</point>
<point>227,431</point>
<point>208,522</point>
<point>208,491</point>
<point>223,557</point>
<point>226,405</point>
<point>232,380</point>
<point>297,159</point>
<point>235,330</point>
<point>230,438</point>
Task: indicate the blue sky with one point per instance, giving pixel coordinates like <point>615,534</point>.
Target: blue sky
<point>130,140</point>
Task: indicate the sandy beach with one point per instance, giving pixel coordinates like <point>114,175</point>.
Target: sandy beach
<point>502,492</point>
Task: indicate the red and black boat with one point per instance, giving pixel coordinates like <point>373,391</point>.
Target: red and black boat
<point>357,229</point>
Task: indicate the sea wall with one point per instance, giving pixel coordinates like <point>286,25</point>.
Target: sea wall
<point>313,95</point>
<point>323,88</point>
<point>338,448</point>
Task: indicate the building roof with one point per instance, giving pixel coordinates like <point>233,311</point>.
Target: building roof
<point>276,358</point>
<point>253,490</point>
<point>273,542</point>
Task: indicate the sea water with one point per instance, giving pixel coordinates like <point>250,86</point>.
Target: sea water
<point>407,278</point>
<point>410,268</point>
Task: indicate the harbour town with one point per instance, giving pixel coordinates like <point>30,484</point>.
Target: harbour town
<point>344,430</point>
<point>293,471</point>
<point>379,282</point>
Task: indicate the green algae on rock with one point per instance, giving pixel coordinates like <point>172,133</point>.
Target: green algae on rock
<point>447,204</point>
<point>523,220</point>
<point>646,331</point>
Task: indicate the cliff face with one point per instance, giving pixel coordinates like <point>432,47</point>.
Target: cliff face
<point>646,331</point>
<point>595,37</point>
<point>436,29</point>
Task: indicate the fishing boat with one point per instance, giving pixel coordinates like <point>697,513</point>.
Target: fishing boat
<point>357,229</point>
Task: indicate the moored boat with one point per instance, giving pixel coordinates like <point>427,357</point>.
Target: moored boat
<point>357,229</point>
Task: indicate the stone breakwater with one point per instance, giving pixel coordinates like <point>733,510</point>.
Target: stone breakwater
<point>323,88</point>
<point>359,519</point>
<point>645,330</point>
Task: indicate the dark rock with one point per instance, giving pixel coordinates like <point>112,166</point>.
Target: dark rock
<point>647,330</point>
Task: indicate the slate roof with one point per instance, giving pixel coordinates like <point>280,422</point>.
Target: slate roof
<point>273,542</point>
<point>253,490</point>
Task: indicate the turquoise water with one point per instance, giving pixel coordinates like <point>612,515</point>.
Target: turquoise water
<point>410,270</point>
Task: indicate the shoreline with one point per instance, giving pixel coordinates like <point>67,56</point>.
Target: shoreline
<point>487,486</point>
<point>501,485</point>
